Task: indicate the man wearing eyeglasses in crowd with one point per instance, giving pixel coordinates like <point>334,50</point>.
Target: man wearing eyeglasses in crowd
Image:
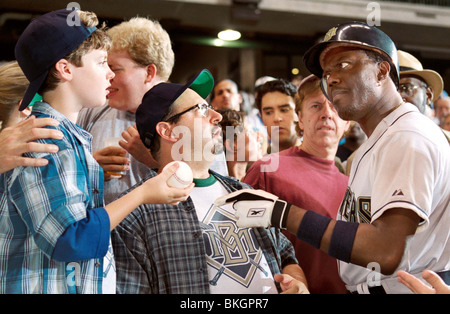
<point>418,86</point>
<point>194,247</point>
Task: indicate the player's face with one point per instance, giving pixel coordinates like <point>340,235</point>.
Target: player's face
<point>130,83</point>
<point>278,115</point>
<point>322,127</point>
<point>92,79</point>
<point>351,80</point>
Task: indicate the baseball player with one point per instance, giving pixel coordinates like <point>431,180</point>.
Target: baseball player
<point>396,213</point>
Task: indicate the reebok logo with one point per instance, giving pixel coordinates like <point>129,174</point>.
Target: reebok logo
<point>256,212</point>
<point>398,192</point>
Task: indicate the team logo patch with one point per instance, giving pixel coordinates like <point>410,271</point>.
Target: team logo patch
<point>331,32</point>
<point>256,212</point>
<point>233,252</point>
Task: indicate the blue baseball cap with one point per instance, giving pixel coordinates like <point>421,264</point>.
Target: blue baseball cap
<point>45,41</point>
<point>157,101</point>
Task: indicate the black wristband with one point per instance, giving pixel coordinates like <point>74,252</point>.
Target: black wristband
<point>312,228</point>
<point>341,243</point>
<point>279,214</point>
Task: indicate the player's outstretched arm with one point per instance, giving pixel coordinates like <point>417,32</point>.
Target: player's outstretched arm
<point>382,241</point>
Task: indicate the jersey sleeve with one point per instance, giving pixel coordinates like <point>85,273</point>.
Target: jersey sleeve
<point>404,176</point>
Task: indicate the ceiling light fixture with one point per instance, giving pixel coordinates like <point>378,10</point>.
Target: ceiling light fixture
<point>229,35</point>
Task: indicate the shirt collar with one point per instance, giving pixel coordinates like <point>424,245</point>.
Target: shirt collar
<point>44,108</point>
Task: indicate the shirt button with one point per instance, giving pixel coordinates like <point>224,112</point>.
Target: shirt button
<point>97,264</point>
<point>96,191</point>
<point>196,235</point>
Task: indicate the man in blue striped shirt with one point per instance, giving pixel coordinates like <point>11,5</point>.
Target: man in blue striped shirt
<point>54,227</point>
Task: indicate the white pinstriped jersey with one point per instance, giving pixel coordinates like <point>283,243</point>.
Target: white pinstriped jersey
<point>405,163</point>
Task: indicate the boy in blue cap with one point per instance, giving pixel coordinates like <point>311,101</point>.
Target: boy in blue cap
<point>54,227</point>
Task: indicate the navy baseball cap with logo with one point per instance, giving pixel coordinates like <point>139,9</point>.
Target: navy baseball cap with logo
<point>157,101</point>
<point>45,41</point>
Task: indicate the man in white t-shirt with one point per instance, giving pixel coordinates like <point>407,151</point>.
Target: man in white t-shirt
<point>395,214</point>
<point>195,247</point>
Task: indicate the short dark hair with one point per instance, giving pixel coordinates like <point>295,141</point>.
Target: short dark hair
<point>233,118</point>
<point>279,85</point>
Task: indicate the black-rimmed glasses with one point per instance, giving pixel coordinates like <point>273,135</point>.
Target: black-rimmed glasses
<point>202,109</point>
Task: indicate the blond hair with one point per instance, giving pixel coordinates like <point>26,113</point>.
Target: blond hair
<point>308,87</point>
<point>13,85</point>
<point>97,40</point>
<point>146,42</point>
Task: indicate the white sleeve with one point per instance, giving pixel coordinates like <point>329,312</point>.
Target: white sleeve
<point>404,176</point>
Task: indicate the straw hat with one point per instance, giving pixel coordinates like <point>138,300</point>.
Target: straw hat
<point>409,65</point>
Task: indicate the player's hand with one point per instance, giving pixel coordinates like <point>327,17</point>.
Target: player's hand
<point>290,285</point>
<point>19,139</point>
<point>255,208</point>
<point>438,286</point>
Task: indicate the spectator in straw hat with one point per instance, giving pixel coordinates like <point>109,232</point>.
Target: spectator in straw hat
<point>418,86</point>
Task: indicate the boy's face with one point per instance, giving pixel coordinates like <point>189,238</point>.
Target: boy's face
<point>278,115</point>
<point>92,79</point>
<point>130,83</point>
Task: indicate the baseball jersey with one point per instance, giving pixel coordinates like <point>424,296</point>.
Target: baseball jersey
<point>405,163</point>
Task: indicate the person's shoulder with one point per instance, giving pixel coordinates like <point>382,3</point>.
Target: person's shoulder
<point>91,115</point>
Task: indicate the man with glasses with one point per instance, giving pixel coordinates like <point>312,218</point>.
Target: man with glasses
<point>418,86</point>
<point>194,247</point>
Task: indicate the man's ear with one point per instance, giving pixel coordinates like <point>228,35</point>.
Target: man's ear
<point>64,70</point>
<point>164,129</point>
<point>300,120</point>
<point>430,94</point>
<point>151,73</point>
<point>384,70</point>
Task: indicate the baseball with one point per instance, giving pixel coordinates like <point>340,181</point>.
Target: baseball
<point>182,178</point>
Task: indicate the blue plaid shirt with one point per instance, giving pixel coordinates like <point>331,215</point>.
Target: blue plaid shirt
<point>159,248</point>
<point>54,230</point>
